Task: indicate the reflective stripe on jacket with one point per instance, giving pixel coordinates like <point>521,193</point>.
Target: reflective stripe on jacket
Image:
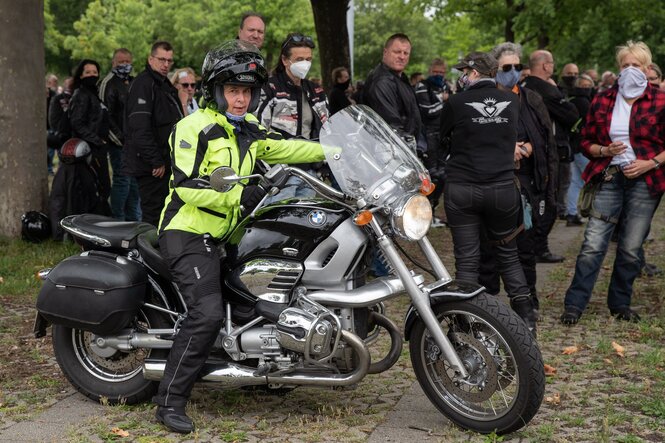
<point>205,141</point>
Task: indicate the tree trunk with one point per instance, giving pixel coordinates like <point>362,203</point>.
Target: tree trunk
<point>508,32</point>
<point>333,36</point>
<point>23,173</point>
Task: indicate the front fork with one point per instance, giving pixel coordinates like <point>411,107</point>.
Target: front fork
<point>420,298</point>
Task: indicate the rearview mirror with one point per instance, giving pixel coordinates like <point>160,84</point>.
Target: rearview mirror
<point>223,179</point>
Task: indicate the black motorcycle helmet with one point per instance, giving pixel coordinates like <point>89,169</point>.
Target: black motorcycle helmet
<point>233,63</point>
<point>36,227</point>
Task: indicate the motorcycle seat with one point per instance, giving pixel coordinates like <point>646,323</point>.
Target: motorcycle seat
<point>94,229</point>
<point>148,246</point>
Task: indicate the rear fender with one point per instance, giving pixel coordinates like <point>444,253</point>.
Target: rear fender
<point>452,291</point>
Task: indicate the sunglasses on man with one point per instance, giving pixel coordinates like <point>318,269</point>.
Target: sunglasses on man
<point>188,85</point>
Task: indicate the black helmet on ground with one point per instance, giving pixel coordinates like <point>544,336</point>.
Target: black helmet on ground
<point>35,227</point>
<point>233,63</point>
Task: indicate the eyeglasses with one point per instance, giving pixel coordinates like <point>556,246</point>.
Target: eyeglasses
<point>509,67</point>
<point>168,61</point>
<point>188,85</point>
<point>653,79</point>
<point>299,38</point>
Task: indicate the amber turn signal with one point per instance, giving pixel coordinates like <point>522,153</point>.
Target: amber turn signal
<point>362,218</point>
<point>427,187</point>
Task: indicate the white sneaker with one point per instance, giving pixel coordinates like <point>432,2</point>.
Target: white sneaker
<point>437,223</point>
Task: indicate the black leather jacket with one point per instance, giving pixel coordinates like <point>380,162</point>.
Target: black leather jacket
<point>393,98</point>
<point>544,159</point>
<point>113,92</point>
<point>151,110</point>
<point>564,114</point>
<point>88,117</point>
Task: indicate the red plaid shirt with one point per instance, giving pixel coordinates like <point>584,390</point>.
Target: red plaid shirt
<point>647,132</point>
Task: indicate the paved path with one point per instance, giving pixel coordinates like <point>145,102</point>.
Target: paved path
<point>52,424</point>
<point>413,418</point>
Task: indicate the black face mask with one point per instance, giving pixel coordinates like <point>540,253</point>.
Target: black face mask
<point>344,85</point>
<point>569,80</point>
<point>89,82</point>
<point>584,92</point>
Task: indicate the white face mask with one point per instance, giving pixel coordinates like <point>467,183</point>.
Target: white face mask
<point>300,69</point>
<point>632,82</point>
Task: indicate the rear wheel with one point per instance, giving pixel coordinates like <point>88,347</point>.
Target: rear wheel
<point>506,380</point>
<point>107,373</point>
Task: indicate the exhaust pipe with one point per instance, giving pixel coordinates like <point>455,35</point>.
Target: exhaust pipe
<point>229,375</point>
<point>232,375</point>
<point>396,343</point>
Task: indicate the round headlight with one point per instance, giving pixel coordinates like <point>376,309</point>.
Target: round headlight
<point>413,218</point>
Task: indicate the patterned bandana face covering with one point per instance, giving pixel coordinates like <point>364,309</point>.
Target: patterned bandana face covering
<point>632,82</point>
<point>122,71</point>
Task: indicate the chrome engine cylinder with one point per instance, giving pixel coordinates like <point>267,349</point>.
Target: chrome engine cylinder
<point>304,332</point>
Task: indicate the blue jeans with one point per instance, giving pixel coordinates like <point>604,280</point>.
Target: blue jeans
<point>576,182</point>
<point>125,204</point>
<point>617,197</point>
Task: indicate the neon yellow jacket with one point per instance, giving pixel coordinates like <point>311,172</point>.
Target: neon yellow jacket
<point>204,141</point>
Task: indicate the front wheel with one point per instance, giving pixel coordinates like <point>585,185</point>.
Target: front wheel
<point>506,380</point>
<point>105,373</point>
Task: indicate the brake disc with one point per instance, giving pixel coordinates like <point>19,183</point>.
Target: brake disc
<point>479,362</point>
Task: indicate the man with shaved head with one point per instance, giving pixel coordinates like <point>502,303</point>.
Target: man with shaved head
<point>564,116</point>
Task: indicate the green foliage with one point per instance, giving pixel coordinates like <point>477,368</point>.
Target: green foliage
<point>585,33</point>
<point>582,32</point>
<point>191,26</point>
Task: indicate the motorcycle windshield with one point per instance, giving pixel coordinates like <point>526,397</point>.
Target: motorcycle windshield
<point>368,159</point>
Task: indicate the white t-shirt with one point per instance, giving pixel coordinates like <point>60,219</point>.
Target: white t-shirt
<point>620,131</point>
<point>192,106</point>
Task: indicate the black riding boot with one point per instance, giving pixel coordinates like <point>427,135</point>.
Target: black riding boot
<point>523,306</point>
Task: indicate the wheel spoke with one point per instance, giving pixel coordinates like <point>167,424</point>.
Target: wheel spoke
<point>488,360</point>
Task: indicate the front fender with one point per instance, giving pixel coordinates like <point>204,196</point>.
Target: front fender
<point>454,290</point>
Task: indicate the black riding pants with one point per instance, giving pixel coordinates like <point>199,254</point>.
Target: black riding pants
<point>194,264</point>
<point>153,192</point>
<point>496,207</point>
<point>489,275</point>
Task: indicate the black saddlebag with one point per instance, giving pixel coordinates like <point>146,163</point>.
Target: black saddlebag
<point>96,291</point>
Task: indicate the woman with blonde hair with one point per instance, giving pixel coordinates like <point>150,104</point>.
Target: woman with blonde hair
<point>184,80</point>
<point>624,138</point>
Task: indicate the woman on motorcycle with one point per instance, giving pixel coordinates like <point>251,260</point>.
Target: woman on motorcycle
<point>196,217</point>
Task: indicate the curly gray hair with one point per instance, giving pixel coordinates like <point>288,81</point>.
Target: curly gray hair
<point>509,48</point>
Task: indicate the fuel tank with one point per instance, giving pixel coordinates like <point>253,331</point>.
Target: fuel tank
<point>265,255</point>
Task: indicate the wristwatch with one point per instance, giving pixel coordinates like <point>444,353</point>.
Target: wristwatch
<point>656,162</point>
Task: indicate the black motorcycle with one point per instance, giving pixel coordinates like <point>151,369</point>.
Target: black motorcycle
<point>299,308</point>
